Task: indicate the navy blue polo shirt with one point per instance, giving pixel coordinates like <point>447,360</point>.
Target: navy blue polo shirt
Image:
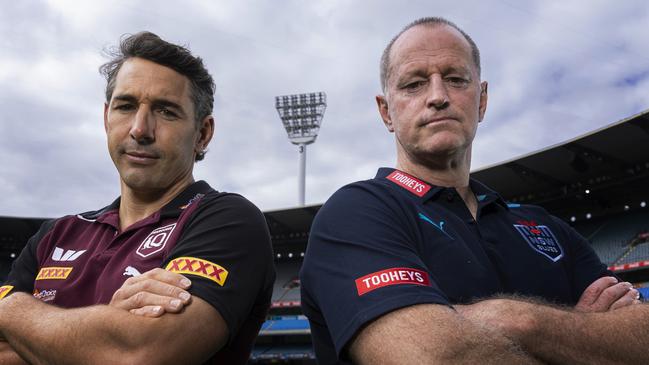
<point>395,241</point>
<point>220,241</point>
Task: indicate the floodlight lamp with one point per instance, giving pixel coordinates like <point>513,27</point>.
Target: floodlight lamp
<point>301,115</point>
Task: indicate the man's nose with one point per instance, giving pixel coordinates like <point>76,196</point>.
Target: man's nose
<point>437,93</point>
<point>143,127</point>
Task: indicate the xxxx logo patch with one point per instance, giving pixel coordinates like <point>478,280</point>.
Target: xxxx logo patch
<point>54,273</point>
<point>4,290</point>
<point>200,267</point>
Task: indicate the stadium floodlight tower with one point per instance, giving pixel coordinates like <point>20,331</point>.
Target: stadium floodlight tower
<point>301,115</point>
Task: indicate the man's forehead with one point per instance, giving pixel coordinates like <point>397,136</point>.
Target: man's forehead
<point>140,76</point>
<point>429,38</point>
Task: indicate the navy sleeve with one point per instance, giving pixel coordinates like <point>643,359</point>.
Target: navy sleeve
<point>362,262</point>
<point>25,268</point>
<point>230,232</point>
<point>587,267</point>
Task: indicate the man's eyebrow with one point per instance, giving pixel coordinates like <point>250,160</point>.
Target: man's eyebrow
<point>412,73</point>
<point>457,69</point>
<point>124,97</point>
<point>155,103</point>
<point>168,104</point>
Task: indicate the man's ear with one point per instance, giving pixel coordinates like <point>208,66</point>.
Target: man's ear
<point>483,100</point>
<point>205,133</point>
<point>106,117</point>
<point>382,104</point>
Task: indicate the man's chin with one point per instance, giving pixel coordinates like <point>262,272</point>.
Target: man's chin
<point>443,147</point>
<point>140,182</point>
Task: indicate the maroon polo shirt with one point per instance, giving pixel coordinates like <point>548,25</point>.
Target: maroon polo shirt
<point>219,240</point>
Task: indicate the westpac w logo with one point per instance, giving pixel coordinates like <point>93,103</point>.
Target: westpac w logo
<point>68,255</point>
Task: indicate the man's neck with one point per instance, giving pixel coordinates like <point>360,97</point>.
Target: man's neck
<point>448,172</point>
<point>136,205</point>
<point>445,170</point>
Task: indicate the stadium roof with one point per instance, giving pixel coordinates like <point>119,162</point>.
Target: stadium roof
<point>598,173</point>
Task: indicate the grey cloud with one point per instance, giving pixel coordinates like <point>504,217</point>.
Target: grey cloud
<point>555,71</point>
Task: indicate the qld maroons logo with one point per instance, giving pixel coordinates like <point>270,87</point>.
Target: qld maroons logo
<point>541,239</point>
<point>155,241</point>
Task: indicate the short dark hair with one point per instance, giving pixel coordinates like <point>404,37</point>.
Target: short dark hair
<point>385,58</point>
<point>149,46</point>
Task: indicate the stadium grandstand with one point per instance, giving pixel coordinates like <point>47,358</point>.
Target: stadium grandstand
<point>598,183</point>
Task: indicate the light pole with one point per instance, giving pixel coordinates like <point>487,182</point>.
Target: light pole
<point>301,115</point>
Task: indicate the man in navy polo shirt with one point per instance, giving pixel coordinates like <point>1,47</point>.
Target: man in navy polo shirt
<point>172,272</point>
<point>406,268</point>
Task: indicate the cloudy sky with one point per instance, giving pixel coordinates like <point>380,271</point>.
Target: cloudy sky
<point>556,70</point>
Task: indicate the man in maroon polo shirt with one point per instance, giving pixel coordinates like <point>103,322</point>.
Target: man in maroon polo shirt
<point>172,271</point>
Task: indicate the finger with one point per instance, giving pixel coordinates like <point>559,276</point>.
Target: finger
<point>148,311</point>
<point>594,290</point>
<point>164,289</point>
<point>164,276</point>
<point>144,299</point>
<point>628,299</point>
<point>611,295</point>
<point>150,286</point>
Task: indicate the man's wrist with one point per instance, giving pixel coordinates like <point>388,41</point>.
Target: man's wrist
<point>516,319</point>
<point>6,312</point>
<point>521,319</point>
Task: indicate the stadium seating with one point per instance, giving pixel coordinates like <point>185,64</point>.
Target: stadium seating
<point>286,291</point>
<point>644,291</point>
<point>296,354</point>
<point>612,238</point>
<point>285,335</point>
<point>285,325</point>
<point>636,253</point>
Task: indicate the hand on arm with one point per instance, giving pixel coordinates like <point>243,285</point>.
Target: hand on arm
<point>606,293</point>
<point>562,336</point>
<point>45,334</point>
<point>430,333</point>
<point>153,293</point>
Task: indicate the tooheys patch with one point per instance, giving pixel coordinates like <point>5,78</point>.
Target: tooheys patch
<point>4,290</point>
<point>393,276</point>
<point>541,239</point>
<point>200,267</point>
<point>410,183</point>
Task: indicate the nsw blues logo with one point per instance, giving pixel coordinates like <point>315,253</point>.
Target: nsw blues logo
<point>541,239</point>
